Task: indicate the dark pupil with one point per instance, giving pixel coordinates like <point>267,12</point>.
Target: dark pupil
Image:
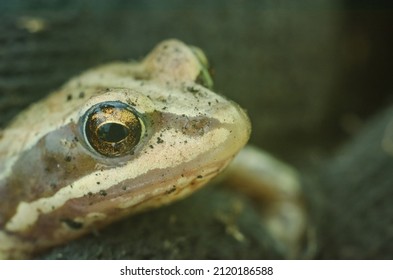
<point>112,132</point>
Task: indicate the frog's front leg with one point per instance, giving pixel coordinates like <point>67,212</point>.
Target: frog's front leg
<point>276,189</point>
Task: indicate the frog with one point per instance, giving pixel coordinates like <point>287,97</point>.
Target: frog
<point>126,137</point>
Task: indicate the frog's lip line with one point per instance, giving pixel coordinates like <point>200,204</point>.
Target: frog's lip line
<point>191,177</point>
<point>28,212</point>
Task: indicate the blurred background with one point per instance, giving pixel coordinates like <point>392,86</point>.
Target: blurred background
<point>311,74</point>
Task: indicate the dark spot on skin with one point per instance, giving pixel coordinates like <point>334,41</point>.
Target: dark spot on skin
<point>72,224</point>
<point>90,194</point>
<point>164,108</point>
<point>159,140</point>
<point>151,146</point>
<point>82,94</point>
<point>192,89</point>
<point>103,193</point>
<point>76,139</point>
<point>69,97</point>
<point>209,103</point>
<point>171,190</point>
<point>68,158</point>
<point>199,176</point>
<point>98,183</point>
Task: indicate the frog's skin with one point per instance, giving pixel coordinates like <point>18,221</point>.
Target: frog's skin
<point>162,134</point>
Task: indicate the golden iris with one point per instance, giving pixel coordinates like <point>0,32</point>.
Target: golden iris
<point>112,128</point>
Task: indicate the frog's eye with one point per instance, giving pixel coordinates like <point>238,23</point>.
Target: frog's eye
<point>112,128</point>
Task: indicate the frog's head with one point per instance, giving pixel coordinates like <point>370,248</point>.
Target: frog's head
<point>140,135</point>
